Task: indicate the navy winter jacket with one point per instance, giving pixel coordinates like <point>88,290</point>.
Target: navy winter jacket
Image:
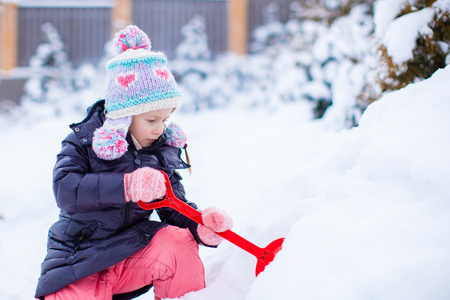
<point>96,227</point>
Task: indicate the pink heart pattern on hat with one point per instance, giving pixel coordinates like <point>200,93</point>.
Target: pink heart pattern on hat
<point>163,73</point>
<point>125,80</point>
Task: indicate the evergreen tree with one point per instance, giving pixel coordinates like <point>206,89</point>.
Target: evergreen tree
<point>192,65</point>
<point>51,70</point>
<point>195,41</point>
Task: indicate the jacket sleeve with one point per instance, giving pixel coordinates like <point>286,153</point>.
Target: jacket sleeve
<point>75,189</point>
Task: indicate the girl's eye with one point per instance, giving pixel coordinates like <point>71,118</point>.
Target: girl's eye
<point>150,121</point>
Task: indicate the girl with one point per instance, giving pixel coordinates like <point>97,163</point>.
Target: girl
<point>104,246</point>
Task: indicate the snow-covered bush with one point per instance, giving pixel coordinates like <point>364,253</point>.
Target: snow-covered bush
<point>412,40</point>
<point>342,57</point>
<point>305,59</point>
<point>327,11</point>
<point>51,71</point>
<point>192,66</point>
<point>322,56</point>
<point>56,88</point>
<point>272,33</point>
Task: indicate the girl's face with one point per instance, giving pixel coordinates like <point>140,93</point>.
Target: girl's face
<point>147,127</point>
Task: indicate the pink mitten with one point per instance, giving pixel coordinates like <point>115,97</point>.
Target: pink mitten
<point>208,236</point>
<point>144,184</point>
<point>214,220</point>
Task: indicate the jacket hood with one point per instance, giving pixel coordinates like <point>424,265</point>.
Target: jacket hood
<point>84,130</point>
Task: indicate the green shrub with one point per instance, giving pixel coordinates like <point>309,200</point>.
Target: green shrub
<point>428,56</point>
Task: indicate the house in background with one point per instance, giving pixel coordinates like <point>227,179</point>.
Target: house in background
<point>86,25</point>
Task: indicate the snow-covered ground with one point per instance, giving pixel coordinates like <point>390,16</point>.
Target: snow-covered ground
<point>365,211</point>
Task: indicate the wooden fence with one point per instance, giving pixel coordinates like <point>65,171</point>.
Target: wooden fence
<point>258,10</point>
<point>85,30</point>
<point>162,20</point>
<point>1,39</point>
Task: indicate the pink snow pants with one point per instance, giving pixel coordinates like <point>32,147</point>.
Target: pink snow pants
<point>171,262</point>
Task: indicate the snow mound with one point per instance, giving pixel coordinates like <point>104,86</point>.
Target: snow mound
<point>365,211</point>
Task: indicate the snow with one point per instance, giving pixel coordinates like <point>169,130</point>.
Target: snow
<point>400,38</point>
<point>385,12</point>
<point>365,211</point>
<point>444,5</point>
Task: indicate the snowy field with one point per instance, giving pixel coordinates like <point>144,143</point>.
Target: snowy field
<point>365,212</point>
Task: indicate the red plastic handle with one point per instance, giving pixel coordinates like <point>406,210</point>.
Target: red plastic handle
<point>264,255</point>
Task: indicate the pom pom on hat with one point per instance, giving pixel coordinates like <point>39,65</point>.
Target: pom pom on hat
<point>109,141</point>
<point>131,38</point>
<point>175,136</point>
<point>109,144</point>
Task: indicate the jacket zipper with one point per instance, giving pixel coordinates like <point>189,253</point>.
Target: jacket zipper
<point>85,234</point>
<point>143,233</point>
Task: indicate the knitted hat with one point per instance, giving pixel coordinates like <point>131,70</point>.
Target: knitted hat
<point>137,81</point>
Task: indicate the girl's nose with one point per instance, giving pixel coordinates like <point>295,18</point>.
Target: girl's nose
<point>159,130</point>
